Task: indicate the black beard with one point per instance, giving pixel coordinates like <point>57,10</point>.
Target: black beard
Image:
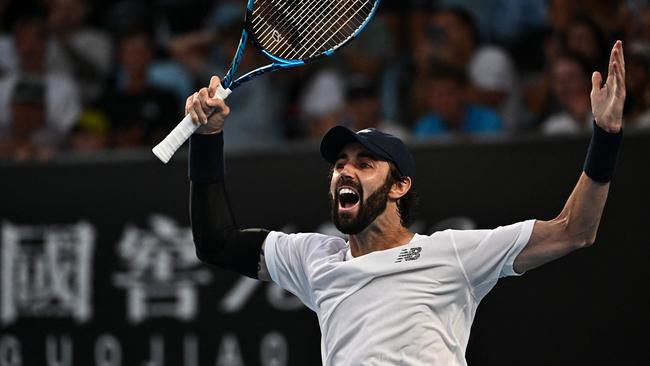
<point>374,206</point>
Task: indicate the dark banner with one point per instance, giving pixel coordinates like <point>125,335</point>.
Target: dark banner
<point>98,266</point>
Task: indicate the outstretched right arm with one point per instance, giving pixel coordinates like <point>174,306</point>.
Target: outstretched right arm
<point>217,238</point>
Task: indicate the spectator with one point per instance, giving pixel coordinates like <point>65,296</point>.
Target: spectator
<point>637,102</point>
<point>133,16</point>
<point>77,49</point>
<point>203,50</point>
<point>577,35</point>
<point>322,103</point>
<point>46,101</point>
<point>362,107</point>
<point>139,112</point>
<point>450,109</point>
<point>585,38</point>
<point>22,140</point>
<point>453,39</point>
<point>570,84</point>
<point>376,57</point>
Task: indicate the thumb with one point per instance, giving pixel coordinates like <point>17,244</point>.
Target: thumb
<point>596,81</point>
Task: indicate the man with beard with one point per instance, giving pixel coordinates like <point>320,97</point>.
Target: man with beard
<point>389,296</point>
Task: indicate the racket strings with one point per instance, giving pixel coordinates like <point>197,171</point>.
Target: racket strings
<point>300,29</point>
<point>340,23</point>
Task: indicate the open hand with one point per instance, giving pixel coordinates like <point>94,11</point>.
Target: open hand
<point>207,109</point>
<point>607,100</point>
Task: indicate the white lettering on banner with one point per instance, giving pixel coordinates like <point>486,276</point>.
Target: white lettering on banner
<point>162,271</point>
<point>190,350</point>
<point>239,294</point>
<point>10,353</point>
<point>274,350</point>
<point>58,353</point>
<point>229,353</point>
<point>281,299</point>
<point>46,271</point>
<point>108,351</point>
<point>157,349</point>
<point>243,290</point>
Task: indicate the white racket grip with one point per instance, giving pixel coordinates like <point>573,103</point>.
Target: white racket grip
<point>167,147</point>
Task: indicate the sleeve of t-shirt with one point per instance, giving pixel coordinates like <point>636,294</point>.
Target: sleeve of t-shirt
<point>487,255</point>
<point>290,260</point>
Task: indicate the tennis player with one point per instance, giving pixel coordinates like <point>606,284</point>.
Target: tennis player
<point>387,295</point>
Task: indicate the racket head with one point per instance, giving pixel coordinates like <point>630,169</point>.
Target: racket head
<point>294,32</point>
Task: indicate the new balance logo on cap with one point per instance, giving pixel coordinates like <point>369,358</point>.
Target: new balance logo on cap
<point>408,254</point>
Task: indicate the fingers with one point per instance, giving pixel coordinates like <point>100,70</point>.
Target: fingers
<point>617,67</point>
<point>196,106</point>
<point>204,109</point>
<point>214,84</point>
<point>202,104</point>
<point>612,58</point>
<point>189,107</point>
<point>621,58</point>
<point>596,81</point>
<point>218,105</point>
<point>188,103</point>
<point>620,62</point>
<point>620,79</point>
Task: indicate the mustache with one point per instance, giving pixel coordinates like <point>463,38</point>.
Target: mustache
<point>350,182</point>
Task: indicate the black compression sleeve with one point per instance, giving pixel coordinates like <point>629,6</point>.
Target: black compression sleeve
<point>206,164</point>
<point>218,240</point>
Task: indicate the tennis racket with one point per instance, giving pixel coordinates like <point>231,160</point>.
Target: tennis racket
<point>290,33</point>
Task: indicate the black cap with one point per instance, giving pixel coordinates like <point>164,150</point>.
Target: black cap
<point>384,146</point>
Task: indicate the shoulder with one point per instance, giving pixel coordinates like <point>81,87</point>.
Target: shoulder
<point>306,242</point>
<point>476,236</point>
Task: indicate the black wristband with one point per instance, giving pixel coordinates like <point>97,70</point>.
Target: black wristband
<point>206,164</point>
<point>601,156</point>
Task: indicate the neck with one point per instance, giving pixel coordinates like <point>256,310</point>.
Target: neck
<point>384,233</point>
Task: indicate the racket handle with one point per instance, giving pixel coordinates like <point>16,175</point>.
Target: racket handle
<point>167,147</point>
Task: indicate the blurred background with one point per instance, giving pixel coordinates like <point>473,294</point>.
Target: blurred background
<point>84,76</point>
<point>97,261</point>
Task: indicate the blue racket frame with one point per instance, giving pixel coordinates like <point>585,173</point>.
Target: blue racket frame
<point>278,63</point>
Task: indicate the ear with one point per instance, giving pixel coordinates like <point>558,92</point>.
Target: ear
<point>400,188</point>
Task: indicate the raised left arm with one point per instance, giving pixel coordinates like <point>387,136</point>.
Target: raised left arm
<point>576,226</point>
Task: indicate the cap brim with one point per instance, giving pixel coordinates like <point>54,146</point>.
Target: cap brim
<point>338,136</point>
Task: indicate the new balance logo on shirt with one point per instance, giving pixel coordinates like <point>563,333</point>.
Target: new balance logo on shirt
<point>409,254</point>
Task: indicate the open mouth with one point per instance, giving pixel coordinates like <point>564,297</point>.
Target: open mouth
<point>348,198</point>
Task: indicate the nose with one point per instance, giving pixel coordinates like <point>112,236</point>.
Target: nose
<point>347,170</point>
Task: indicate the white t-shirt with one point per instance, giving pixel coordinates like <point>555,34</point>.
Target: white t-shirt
<point>409,305</point>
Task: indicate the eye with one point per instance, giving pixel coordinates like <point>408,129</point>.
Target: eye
<point>364,165</point>
<point>339,165</point>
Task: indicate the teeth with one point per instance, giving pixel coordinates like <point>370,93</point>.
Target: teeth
<point>346,190</point>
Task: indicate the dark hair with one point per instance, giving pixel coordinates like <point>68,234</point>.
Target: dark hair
<point>359,86</point>
<point>407,205</point>
<point>600,63</point>
<point>444,71</point>
<point>582,62</point>
<point>463,16</point>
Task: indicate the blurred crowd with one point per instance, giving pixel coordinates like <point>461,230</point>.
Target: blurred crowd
<point>83,76</point>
